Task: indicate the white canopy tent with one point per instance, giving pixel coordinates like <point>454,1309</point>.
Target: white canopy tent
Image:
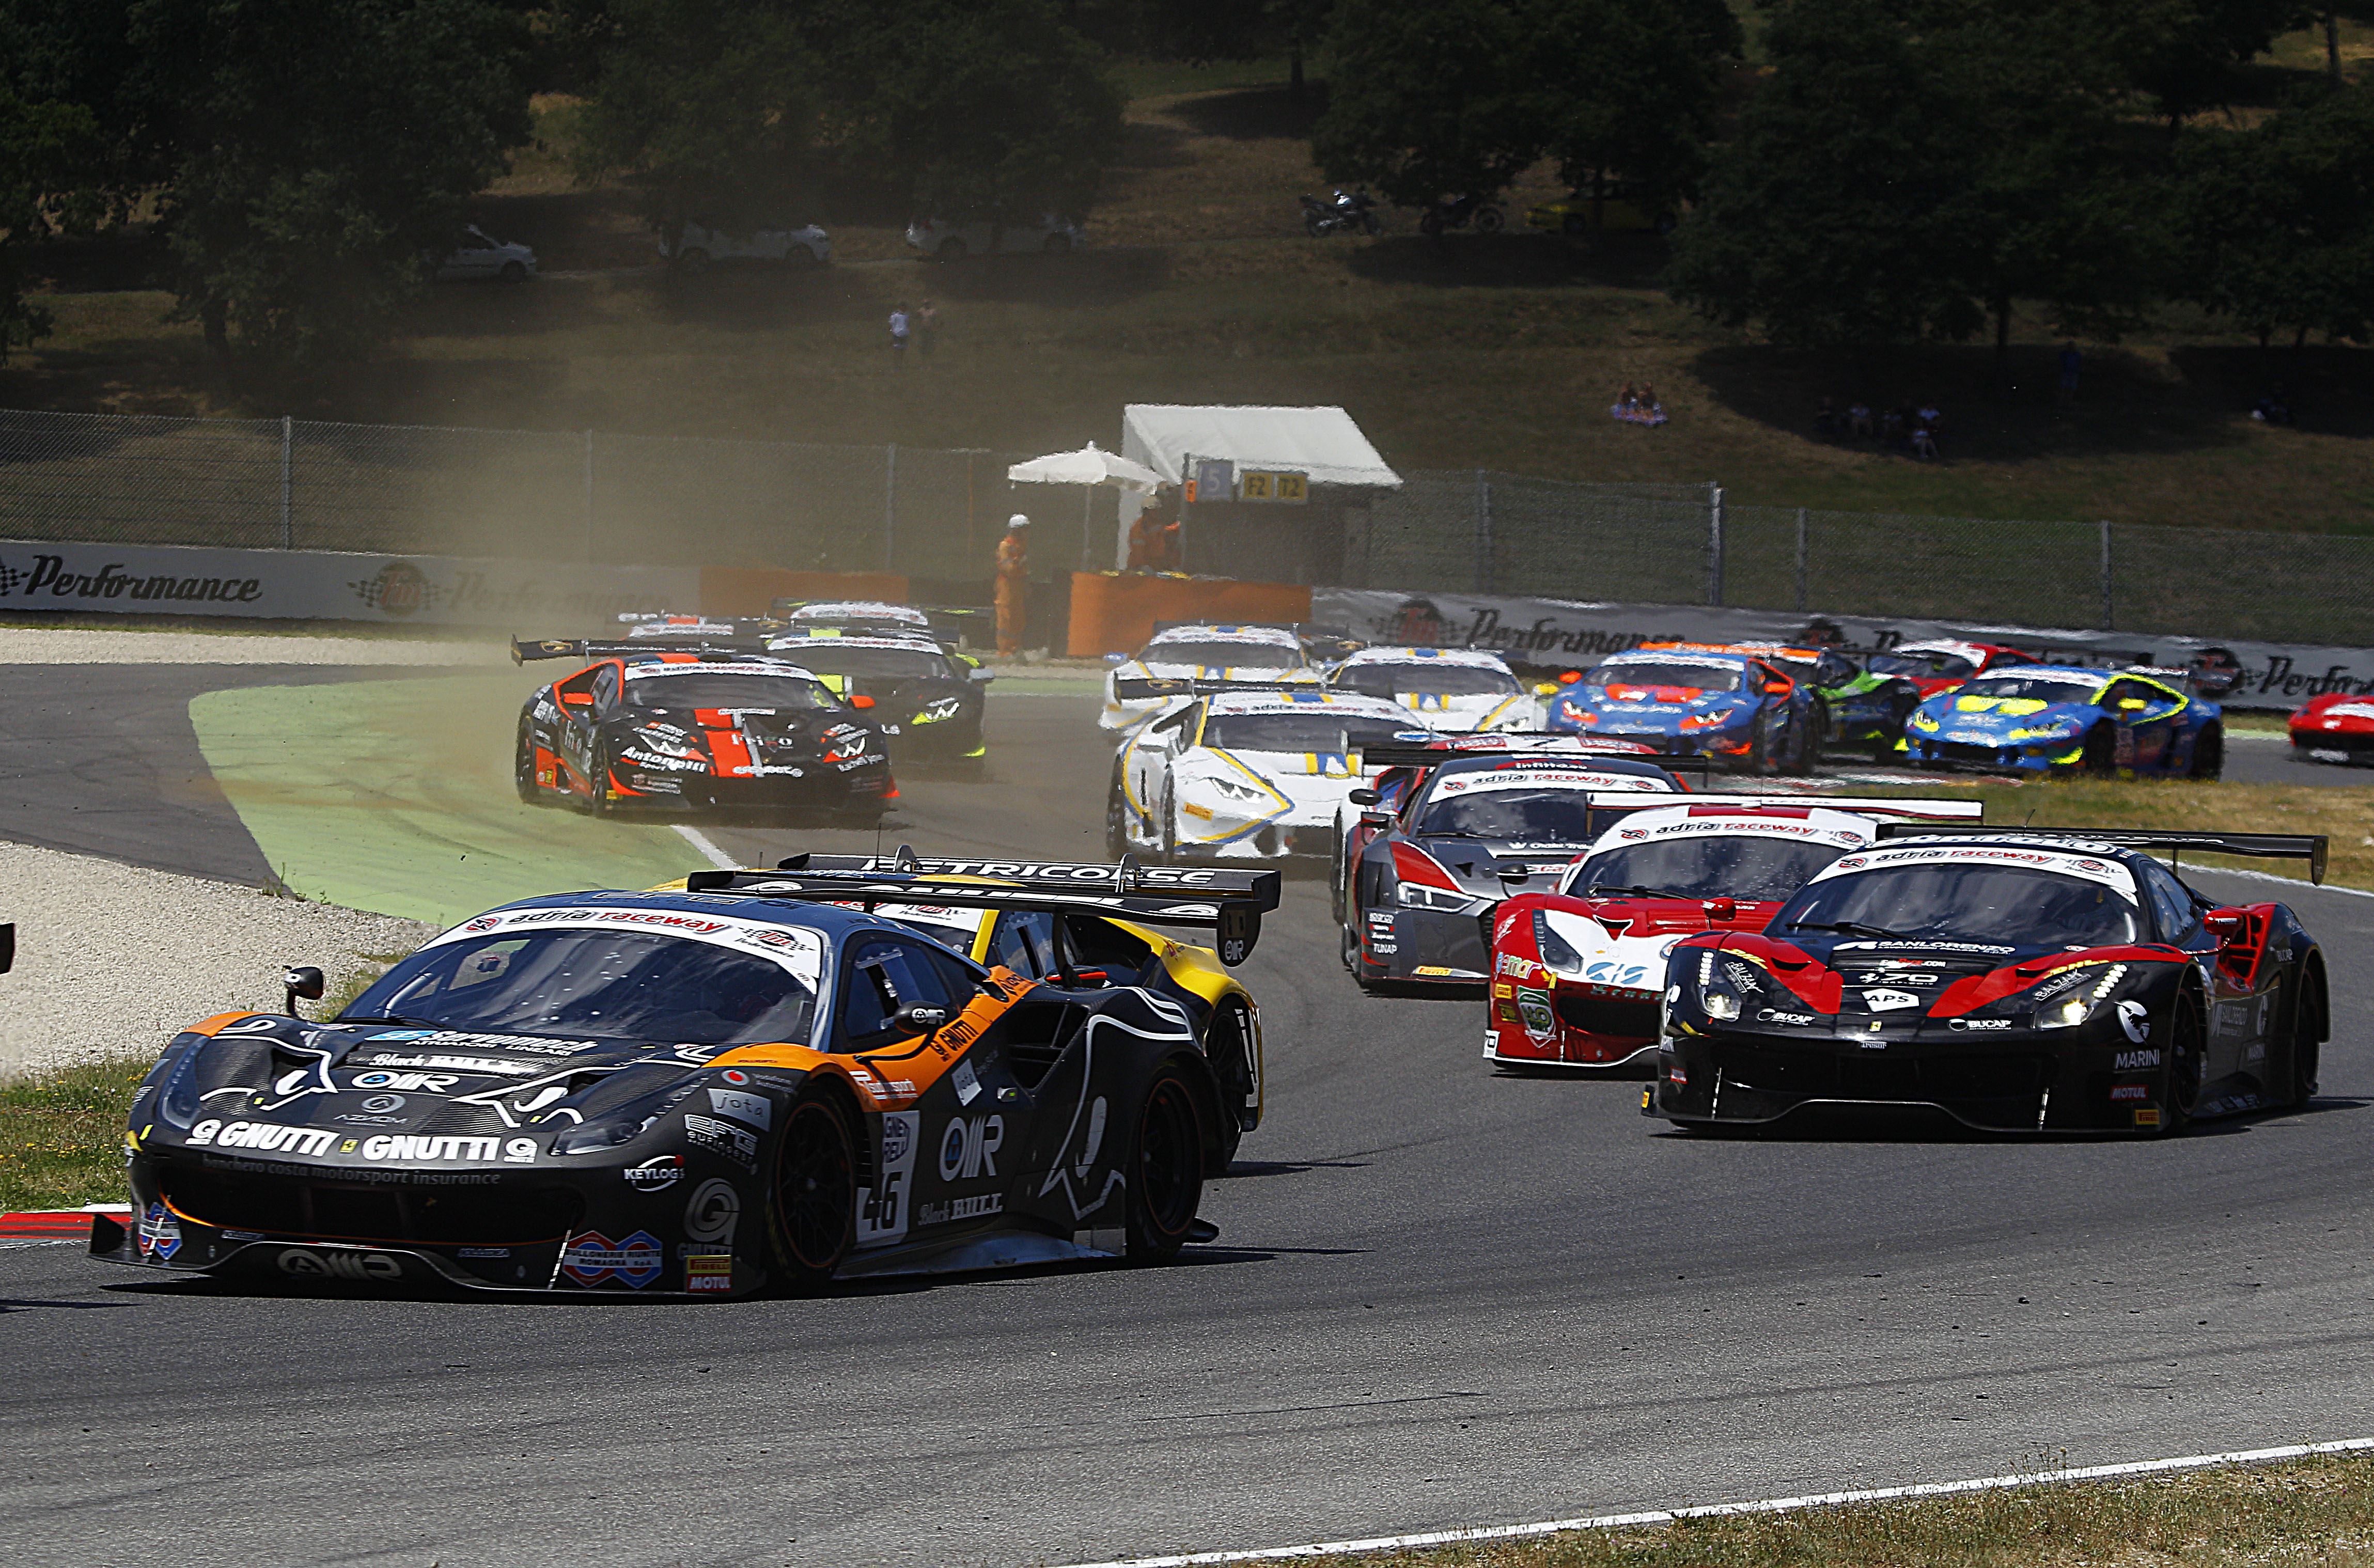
<point>1321,443</point>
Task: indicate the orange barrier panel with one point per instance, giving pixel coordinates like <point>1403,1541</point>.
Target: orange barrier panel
<point>751,591</point>
<point>1115,612</point>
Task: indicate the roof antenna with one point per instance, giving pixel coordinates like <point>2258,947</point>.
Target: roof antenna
<point>877,838</point>
<point>906,861</point>
<point>1127,870</point>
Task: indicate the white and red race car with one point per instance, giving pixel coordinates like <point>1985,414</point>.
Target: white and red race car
<point>1579,970</point>
<point>2336,727</point>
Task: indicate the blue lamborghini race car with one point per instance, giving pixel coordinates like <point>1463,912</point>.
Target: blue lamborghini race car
<point>2046,717</point>
<point>1728,704</point>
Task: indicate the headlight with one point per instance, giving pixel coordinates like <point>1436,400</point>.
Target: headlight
<point>934,712</point>
<point>2066,1011</point>
<point>1238,790</point>
<point>597,1136</point>
<point>1925,722</point>
<point>2062,1015</point>
<point>668,745</point>
<point>1418,895</point>
<point>1554,949</point>
<point>1719,1004</point>
<point>1709,720</point>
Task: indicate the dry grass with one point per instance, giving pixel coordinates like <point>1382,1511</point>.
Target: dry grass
<point>61,1135</point>
<point>2316,1511</point>
<point>1199,287</point>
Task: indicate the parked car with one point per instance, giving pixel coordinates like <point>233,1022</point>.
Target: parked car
<point>702,245</point>
<point>477,255</point>
<point>954,241</point>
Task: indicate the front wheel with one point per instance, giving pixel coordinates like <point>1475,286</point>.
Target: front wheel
<point>1430,224</point>
<point>2209,752</point>
<point>812,1216</point>
<point>513,272</point>
<point>2302,1052</point>
<point>524,766</point>
<point>2183,1065</point>
<point>1169,813</point>
<point>1314,225</point>
<point>600,802</point>
<point>1116,819</point>
<point>1166,1175</point>
<point>2101,755</point>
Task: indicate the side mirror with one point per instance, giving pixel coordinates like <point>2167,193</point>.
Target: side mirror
<point>2226,925</point>
<point>861,701</point>
<point>1545,688</point>
<point>1364,797</point>
<point>1116,657</point>
<point>301,981</point>
<point>1514,873</point>
<point>2132,704</point>
<point>980,673</point>
<point>1776,689</point>
<point>915,1015</point>
<point>1569,677</point>
<point>1723,910</point>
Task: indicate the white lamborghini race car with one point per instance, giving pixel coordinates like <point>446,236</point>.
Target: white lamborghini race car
<point>1179,660</point>
<point>1238,775</point>
<point>1461,689</point>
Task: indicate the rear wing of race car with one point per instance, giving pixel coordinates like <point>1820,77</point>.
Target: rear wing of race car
<point>1231,903</point>
<point>586,647</point>
<point>1531,743</point>
<point>1913,815</point>
<point>1136,688</point>
<point>2313,847</point>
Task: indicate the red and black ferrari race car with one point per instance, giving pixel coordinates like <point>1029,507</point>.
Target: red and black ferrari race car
<point>1419,883</point>
<point>2017,979</point>
<point>759,1081</point>
<point>2336,727</point>
<point>1579,970</point>
<point>697,730</point>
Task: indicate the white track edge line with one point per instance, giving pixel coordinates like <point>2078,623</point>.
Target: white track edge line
<point>708,847</point>
<point>1766,1506</point>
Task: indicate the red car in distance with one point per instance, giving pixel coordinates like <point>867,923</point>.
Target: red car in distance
<point>1942,663</point>
<point>2336,727</point>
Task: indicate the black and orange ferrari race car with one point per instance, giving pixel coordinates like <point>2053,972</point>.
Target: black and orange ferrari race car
<point>2018,979</point>
<point>759,1081</point>
<point>697,728</point>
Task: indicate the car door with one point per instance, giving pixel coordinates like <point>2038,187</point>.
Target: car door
<point>1152,751</point>
<point>2242,1007</point>
<point>2145,715</point>
<point>574,740</point>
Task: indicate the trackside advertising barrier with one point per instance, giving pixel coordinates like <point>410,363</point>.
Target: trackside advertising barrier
<point>333,586</point>
<point>1559,633</point>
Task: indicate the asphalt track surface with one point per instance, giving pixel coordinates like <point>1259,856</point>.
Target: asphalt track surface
<point>1439,1298</point>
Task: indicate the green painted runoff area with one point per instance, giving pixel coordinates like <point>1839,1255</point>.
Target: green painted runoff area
<point>395,796</point>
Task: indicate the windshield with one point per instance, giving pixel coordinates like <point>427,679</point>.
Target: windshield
<point>1222,655</point>
<point>1733,866</point>
<point>1314,729</point>
<point>1695,677</point>
<point>1970,903</point>
<point>2042,688</point>
<point>1522,816</point>
<point>779,693</point>
<point>603,985</point>
<point>1445,680</point>
<point>1921,666</point>
<point>881,663</point>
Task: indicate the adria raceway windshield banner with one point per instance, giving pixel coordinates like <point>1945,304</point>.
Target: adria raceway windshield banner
<point>330,586</point>
<point>1568,633</point>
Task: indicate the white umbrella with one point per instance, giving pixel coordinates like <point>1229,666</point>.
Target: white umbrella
<point>1089,465</point>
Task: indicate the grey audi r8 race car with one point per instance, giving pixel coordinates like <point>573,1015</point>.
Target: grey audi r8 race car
<point>759,1081</point>
<point>2018,980</point>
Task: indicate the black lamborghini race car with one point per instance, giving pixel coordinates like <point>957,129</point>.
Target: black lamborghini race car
<point>755,1082</point>
<point>1418,884</point>
<point>697,730</point>
<point>928,701</point>
<point>2018,980</point>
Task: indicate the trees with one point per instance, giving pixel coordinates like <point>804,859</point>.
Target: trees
<point>2276,223</point>
<point>969,110</point>
<point>1430,96</point>
<point>1909,171</point>
<point>314,150</point>
<point>46,149</point>
<point>708,107</point>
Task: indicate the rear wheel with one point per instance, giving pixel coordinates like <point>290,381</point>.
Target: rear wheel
<point>1166,1176</point>
<point>1228,1047</point>
<point>524,766</point>
<point>2209,752</point>
<point>2101,757</point>
<point>2303,1051</point>
<point>513,272</point>
<point>812,1218</point>
<point>2182,1057</point>
<point>600,802</point>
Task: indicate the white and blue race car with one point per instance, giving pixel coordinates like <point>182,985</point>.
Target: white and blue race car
<point>1465,690</point>
<point>1182,661</point>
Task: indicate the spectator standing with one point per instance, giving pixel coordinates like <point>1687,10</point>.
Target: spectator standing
<point>1859,418</point>
<point>2071,363</point>
<point>1013,584</point>
<point>899,329</point>
<point>927,329</point>
<point>1154,540</point>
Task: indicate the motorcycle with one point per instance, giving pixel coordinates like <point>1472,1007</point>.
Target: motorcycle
<point>1344,215</point>
<point>1460,212</point>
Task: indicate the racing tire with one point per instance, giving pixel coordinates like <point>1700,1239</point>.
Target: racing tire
<point>599,800</point>
<point>2302,1052</point>
<point>812,1194</point>
<point>1166,1168</point>
<point>1116,819</point>
<point>2101,755</point>
<point>524,782</point>
<point>2209,752</point>
<point>1490,220</point>
<point>513,272</point>
<point>1347,948</point>
<point>1169,813</point>
<point>2184,1066</point>
<point>1228,1047</point>
<point>1759,760</point>
<point>1804,740</point>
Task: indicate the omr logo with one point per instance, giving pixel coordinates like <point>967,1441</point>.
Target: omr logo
<point>306,1263</point>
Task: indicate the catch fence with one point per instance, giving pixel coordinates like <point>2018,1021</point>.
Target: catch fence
<point>936,514</point>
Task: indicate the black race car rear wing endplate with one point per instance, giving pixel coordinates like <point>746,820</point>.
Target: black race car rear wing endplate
<point>2310,847</point>
<point>1231,903</point>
